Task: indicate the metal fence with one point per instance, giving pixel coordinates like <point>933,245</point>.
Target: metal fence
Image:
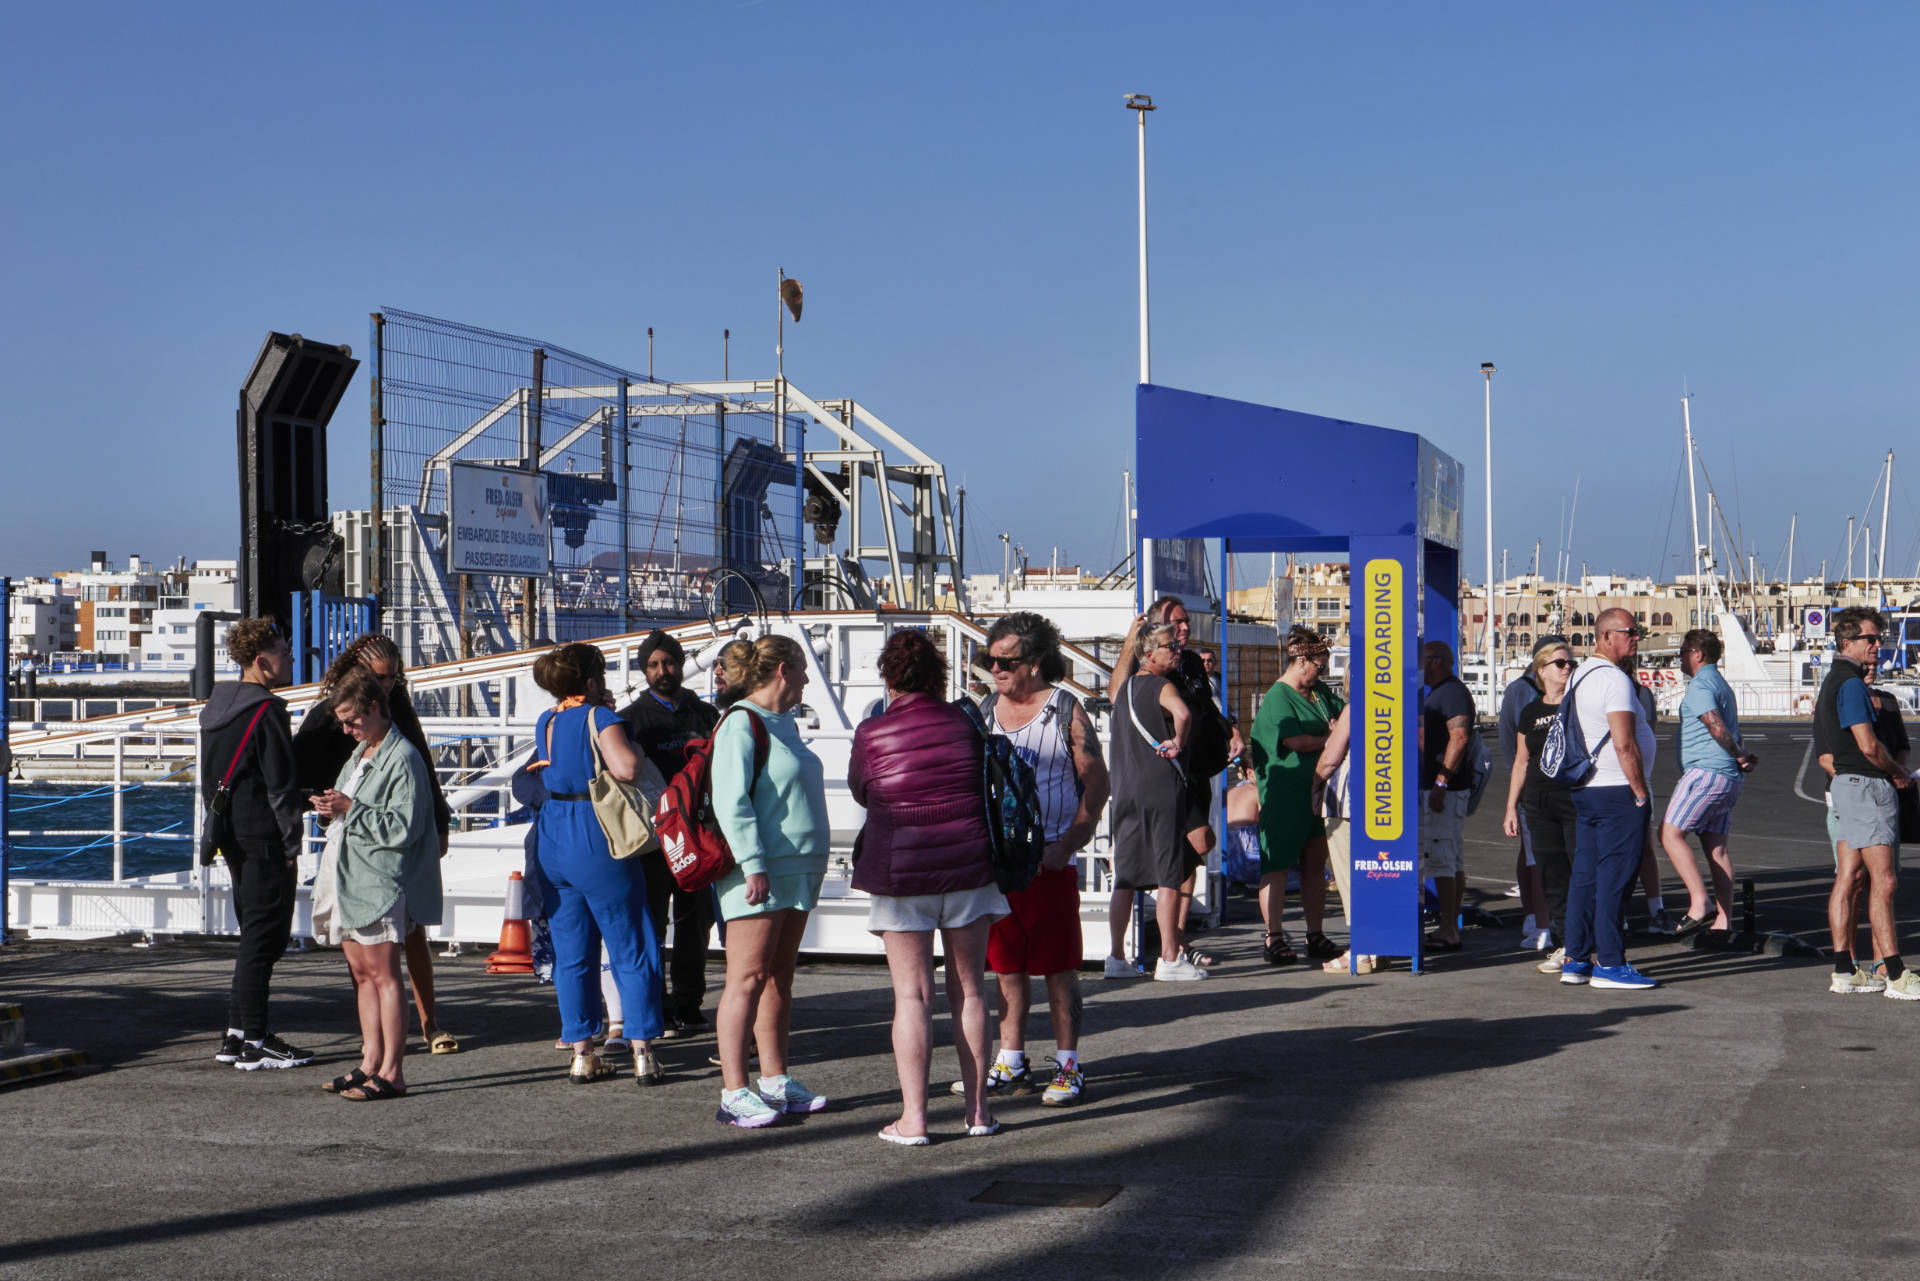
<point>644,475</point>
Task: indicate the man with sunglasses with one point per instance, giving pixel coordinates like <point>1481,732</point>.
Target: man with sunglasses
<point>1610,808</point>
<point>1041,933</point>
<point>1866,809</point>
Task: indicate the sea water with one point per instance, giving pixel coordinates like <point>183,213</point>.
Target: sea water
<point>157,817</point>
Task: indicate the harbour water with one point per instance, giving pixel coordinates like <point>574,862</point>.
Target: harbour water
<point>157,816</point>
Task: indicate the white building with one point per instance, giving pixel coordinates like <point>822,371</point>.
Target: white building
<point>40,620</point>
<point>206,585</point>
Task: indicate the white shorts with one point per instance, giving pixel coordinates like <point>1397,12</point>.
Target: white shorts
<point>918,913</point>
<point>391,928</point>
<point>1443,845</point>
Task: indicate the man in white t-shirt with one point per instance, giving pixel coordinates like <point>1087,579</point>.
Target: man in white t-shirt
<point>1610,809</point>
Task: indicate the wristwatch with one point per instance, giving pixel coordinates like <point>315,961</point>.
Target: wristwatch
<point>1440,782</point>
<point>1640,802</point>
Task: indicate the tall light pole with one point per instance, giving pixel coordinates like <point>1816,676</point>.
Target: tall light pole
<point>1143,103</point>
<point>1487,370</point>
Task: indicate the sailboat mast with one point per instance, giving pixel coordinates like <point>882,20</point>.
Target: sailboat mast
<point>1886,498</point>
<point>1787,628</point>
<point>1693,495</point>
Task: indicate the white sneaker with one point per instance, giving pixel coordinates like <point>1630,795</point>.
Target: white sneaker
<point>1119,969</point>
<point>1177,971</point>
<point>1542,941</point>
<point>1528,927</point>
<point>1555,960</point>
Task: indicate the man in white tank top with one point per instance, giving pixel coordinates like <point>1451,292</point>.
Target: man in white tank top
<point>1041,935</point>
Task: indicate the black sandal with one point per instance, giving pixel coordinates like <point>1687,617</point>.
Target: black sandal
<point>1279,953</point>
<point>1320,947</point>
<point>346,1081</point>
<point>374,1089</point>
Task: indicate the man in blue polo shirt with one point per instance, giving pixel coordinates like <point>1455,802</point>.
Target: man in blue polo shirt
<point>1866,809</point>
<point>1712,765</point>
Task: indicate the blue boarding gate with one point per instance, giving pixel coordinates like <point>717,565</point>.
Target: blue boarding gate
<point>322,626</point>
<point>1265,480</point>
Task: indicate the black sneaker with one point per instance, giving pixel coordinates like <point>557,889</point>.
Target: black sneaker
<point>230,1046</point>
<point>270,1053</point>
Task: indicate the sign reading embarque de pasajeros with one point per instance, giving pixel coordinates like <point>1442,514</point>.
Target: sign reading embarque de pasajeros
<point>497,522</point>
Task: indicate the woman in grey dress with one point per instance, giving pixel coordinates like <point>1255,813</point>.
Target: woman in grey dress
<point>1150,846</point>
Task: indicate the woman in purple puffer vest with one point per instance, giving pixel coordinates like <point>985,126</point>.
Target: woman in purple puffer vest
<point>925,858</point>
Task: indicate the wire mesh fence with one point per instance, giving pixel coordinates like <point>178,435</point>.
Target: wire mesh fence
<point>653,489</point>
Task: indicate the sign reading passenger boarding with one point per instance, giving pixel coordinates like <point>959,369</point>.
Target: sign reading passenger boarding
<point>1384,726</point>
<point>497,521</point>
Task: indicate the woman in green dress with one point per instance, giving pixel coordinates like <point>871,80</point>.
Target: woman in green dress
<point>1292,726</point>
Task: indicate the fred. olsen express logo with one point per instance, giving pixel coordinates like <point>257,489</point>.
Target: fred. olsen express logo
<point>1383,866</point>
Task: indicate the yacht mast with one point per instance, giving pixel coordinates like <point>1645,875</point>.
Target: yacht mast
<point>1788,629</point>
<point>1886,498</point>
<point>1693,494</point>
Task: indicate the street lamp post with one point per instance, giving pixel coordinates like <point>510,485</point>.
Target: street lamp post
<point>1143,103</point>
<point>1487,370</point>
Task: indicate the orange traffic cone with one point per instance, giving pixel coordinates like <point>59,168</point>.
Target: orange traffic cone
<point>516,941</point>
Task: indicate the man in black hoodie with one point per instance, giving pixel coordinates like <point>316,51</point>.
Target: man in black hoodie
<point>245,730</point>
<point>661,722</point>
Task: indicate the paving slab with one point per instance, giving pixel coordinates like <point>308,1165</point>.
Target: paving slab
<point>1479,1120</point>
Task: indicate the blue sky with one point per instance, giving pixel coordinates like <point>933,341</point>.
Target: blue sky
<point>1353,205</point>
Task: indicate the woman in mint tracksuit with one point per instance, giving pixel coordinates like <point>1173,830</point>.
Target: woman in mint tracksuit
<point>775,822</point>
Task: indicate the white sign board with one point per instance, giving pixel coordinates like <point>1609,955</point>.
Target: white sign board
<point>1816,622</point>
<point>497,521</point>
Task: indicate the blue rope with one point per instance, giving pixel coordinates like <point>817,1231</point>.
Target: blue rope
<point>48,802</point>
<point>68,851</point>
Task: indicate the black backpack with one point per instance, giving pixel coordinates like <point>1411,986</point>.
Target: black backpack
<point>1014,820</point>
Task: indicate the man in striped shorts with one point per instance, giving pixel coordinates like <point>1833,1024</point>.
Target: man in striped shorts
<point>1712,765</point>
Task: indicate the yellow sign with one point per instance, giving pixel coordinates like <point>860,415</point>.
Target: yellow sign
<point>1384,723</point>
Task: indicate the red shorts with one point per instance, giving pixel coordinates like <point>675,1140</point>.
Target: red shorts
<point>1041,934</point>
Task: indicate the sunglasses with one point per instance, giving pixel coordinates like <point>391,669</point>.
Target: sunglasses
<point>1559,662</point>
<point>996,663</point>
<point>1635,632</point>
<point>1871,636</point>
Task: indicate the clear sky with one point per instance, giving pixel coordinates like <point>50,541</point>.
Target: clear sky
<point>1353,205</point>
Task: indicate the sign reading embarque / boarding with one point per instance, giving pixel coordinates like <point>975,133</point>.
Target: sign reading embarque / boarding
<point>497,521</point>
<point>1385,710</point>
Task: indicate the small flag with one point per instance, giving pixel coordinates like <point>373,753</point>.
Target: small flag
<point>790,294</point>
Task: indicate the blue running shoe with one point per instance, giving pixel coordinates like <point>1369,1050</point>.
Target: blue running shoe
<point>1575,972</point>
<point>1620,976</point>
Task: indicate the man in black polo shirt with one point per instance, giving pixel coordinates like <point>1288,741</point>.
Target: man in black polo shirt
<point>661,722</point>
<point>1866,809</point>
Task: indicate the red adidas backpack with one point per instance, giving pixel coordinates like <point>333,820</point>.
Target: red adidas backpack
<point>696,852</point>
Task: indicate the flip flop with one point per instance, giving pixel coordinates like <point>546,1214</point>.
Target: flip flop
<point>1434,943</point>
<point>905,1140</point>
<point>442,1043</point>
<point>345,1081</point>
<point>984,1131</point>
<point>1196,957</point>
<point>374,1089</point>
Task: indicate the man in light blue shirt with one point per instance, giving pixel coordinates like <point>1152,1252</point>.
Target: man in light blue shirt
<point>1712,764</point>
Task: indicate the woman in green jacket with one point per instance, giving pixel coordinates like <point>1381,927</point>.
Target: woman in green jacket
<point>379,874</point>
<point>1288,732</point>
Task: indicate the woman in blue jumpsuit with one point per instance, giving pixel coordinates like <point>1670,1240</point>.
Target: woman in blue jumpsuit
<point>589,895</point>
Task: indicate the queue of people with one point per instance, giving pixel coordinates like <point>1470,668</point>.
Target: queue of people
<point>925,856</point>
